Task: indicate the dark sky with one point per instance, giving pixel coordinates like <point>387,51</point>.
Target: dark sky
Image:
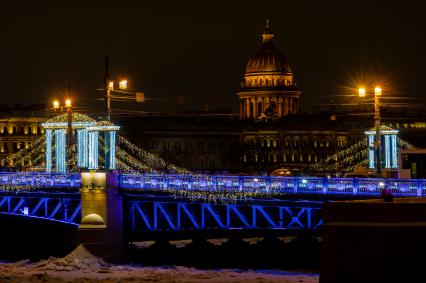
<point>189,53</point>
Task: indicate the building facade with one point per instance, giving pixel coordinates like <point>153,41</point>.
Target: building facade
<point>20,128</point>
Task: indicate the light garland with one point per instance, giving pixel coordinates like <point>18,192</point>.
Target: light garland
<point>102,128</point>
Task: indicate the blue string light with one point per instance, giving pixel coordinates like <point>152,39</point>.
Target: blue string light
<point>371,163</point>
<point>60,139</point>
<point>93,149</point>
<point>387,152</point>
<point>48,150</point>
<point>112,150</point>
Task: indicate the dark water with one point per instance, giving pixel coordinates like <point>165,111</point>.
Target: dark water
<point>35,239</point>
<point>269,252</point>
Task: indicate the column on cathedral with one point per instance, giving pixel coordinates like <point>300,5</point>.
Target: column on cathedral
<point>287,106</point>
<point>254,101</point>
<point>280,107</point>
<point>247,114</point>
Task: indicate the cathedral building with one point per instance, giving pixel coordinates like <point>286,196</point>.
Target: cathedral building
<point>268,88</point>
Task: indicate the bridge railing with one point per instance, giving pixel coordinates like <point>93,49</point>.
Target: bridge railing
<point>268,184</point>
<point>39,180</point>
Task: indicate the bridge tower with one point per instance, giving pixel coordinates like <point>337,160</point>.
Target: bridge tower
<point>88,143</point>
<point>389,140</point>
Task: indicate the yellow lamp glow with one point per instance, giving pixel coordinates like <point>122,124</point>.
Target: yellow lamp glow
<point>68,103</point>
<point>361,92</point>
<point>123,84</point>
<point>378,90</point>
<point>111,85</point>
<point>55,104</point>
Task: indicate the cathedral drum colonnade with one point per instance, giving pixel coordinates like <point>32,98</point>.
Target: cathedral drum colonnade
<point>268,88</point>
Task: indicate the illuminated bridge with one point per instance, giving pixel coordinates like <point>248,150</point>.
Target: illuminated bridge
<point>155,203</point>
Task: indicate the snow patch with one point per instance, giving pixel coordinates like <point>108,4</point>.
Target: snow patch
<point>81,266</point>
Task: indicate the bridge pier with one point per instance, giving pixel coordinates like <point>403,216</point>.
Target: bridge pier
<point>374,241</point>
<point>101,228</point>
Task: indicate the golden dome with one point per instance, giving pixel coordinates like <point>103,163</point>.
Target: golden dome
<point>268,59</point>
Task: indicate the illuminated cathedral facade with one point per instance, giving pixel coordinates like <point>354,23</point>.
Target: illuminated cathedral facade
<point>268,89</point>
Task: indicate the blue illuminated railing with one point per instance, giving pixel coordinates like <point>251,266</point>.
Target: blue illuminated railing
<point>39,180</point>
<point>267,184</point>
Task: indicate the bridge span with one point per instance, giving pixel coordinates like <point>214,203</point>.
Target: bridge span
<point>132,207</point>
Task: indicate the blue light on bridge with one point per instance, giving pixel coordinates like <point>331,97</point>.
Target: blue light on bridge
<point>228,184</point>
<point>278,185</point>
<point>32,180</point>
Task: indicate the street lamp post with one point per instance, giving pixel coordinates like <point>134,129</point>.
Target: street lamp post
<point>108,88</point>
<point>377,144</point>
<point>68,108</point>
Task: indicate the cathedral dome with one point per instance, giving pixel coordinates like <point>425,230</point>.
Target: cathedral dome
<point>268,59</point>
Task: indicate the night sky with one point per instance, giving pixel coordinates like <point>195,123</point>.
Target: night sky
<point>192,53</point>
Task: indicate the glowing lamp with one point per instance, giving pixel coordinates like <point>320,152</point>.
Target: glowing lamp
<point>361,92</point>
<point>378,91</point>
<point>123,84</point>
<point>111,85</point>
<point>68,103</point>
<point>55,104</point>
